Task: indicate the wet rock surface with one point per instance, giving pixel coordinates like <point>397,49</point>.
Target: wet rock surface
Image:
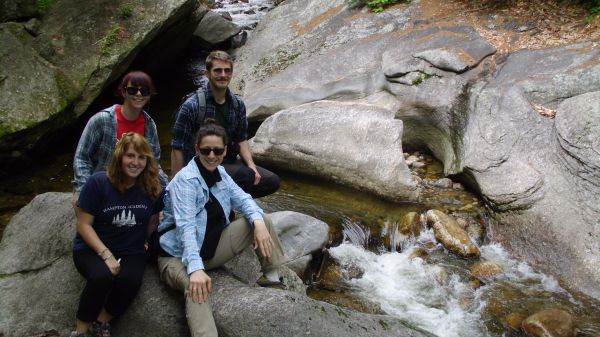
<point>483,116</point>
<point>484,270</point>
<point>549,323</point>
<point>29,287</point>
<point>451,235</point>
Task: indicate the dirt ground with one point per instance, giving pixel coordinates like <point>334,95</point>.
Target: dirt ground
<point>511,25</point>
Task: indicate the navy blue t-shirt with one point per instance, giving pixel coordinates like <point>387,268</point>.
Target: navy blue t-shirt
<point>120,220</point>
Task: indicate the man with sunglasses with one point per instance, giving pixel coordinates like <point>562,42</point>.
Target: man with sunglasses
<point>104,129</point>
<point>218,102</point>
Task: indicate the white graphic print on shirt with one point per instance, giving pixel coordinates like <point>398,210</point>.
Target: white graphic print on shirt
<point>125,218</point>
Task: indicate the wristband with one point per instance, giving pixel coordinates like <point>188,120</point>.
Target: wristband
<point>102,252</point>
<point>106,258</point>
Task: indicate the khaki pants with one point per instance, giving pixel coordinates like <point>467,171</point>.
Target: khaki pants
<point>237,236</point>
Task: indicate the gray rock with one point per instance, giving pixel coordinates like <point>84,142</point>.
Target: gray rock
<point>449,233</point>
<point>215,29</point>
<point>39,293</point>
<point>327,139</point>
<point>443,183</point>
<point>302,316</point>
<point>536,166</point>
<point>12,10</point>
<point>411,160</point>
<point>33,242</point>
<point>549,322</point>
<point>478,115</point>
<point>300,234</point>
<point>79,49</point>
<point>299,265</point>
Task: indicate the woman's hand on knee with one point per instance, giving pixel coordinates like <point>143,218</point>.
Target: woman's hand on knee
<point>200,286</point>
<point>113,265</point>
<point>262,239</point>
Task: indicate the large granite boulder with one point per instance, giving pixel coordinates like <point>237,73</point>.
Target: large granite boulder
<point>214,30</point>
<point>540,175</point>
<point>329,139</point>
<point>18,9</point>
<point>51,76</point>
<point>488,119</point>
<point>40,288</point>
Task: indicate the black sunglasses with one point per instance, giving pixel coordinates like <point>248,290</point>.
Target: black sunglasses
<point>205,151</point>
<point>134,90</point>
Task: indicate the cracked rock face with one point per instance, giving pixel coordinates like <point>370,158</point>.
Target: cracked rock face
<point>488,119</point>
<point>328,139</point>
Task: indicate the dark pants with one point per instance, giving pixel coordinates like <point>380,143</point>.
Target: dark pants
<point>105,290</point>
<point>244,178</point>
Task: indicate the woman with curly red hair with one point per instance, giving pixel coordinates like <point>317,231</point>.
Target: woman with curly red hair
<point>116,211</point>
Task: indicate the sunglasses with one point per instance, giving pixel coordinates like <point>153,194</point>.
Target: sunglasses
<point>226,71</point>
<point>205,151</point>
<point>134,90</point>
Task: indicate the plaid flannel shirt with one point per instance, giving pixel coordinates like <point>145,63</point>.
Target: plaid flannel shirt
<point>186,124</point>
<point>98,142</point>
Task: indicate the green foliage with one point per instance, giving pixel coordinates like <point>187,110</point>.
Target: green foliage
<point>356,3</point>
<point>110,38</point>
<point>125,11</point>
<point>594,9</point>
<point>376,6</point>
<point>44,6</point>
<point>423,76</point>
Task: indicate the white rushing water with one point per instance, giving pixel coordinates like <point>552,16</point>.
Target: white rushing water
<point>245,14</point>
<point>420,293</point>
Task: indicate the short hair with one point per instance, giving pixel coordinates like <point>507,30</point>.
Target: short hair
<point>218,55</point>
<point>210,127</point>
<point>148,180</point>
<point>136,78</point>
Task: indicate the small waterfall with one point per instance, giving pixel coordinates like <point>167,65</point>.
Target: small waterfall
<point>436,297</point>
<point>246,14</point>
<point>355,234</point>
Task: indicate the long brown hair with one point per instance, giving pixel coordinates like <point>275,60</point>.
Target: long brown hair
<point>148,180</point>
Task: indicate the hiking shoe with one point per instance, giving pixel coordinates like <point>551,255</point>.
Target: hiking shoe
<point>266,283</point>
<point>101,329</point>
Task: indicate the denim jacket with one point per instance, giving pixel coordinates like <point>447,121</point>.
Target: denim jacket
<point>186,195</point>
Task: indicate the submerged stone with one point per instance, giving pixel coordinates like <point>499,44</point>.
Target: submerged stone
<point>549,323</point>
<point>514,320</point>
<point>420,253</point>
<point>451,235</point>
<point>485,269</point>
<point>410,224</point>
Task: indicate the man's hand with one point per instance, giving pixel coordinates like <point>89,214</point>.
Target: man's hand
<point>257,176</point>
<point>262,239</point>
<point>247,158</point>
<point>200,286</point>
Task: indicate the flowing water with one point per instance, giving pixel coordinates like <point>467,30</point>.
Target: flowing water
<point>382,272</point>
<point>245,14</point>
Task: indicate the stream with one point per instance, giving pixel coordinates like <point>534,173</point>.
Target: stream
<point>411,277</point>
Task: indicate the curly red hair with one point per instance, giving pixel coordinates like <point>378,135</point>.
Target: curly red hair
<point>148,180</point>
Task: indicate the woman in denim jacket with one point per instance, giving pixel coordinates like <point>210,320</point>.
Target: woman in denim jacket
<point>198,201</point>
